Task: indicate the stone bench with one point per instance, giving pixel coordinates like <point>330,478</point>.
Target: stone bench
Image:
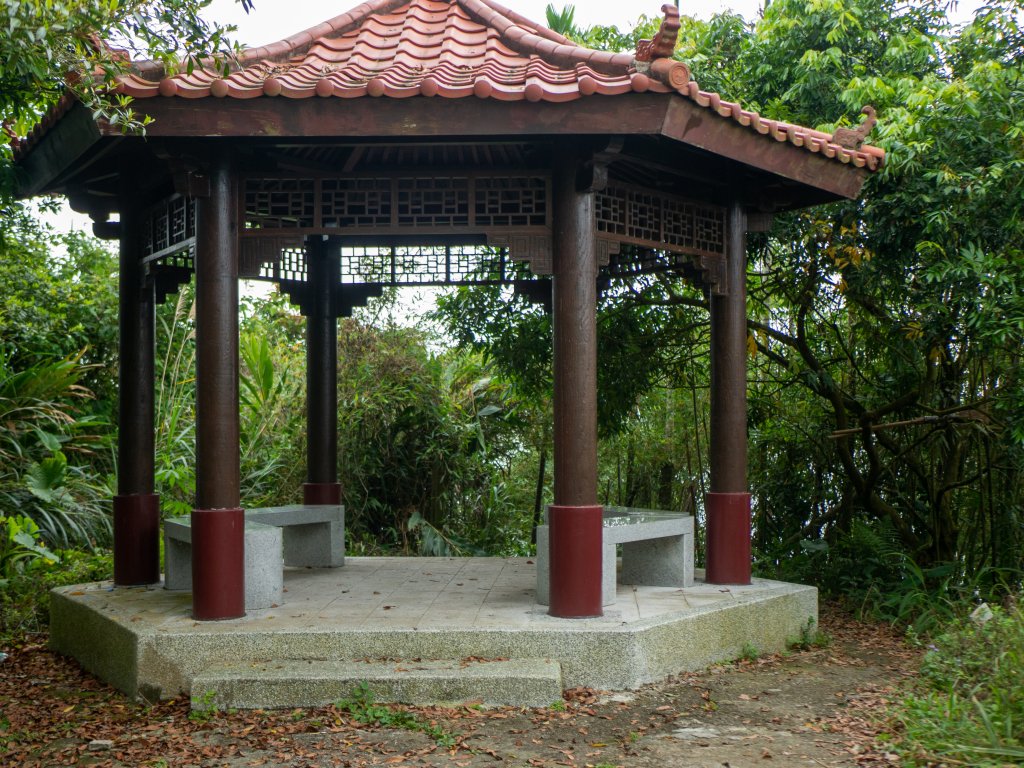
<point>657,551</point>
<point>264,568</point>
<point>314,534</point>
<point>274,537</point>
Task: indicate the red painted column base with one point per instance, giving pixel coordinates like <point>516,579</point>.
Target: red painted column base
<point>728,538</point>
<point>218,564</point>
<point>136,539</point>
<point>575,540</point>
<point>321,493</point>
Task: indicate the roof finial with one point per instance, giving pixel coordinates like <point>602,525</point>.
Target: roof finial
<point>664,43</point>
<point>654,57</point>
<point>852,138</point>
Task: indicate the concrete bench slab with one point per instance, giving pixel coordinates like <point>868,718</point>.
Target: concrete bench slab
<point>264,569</point>
<point>657,551</point>
<point>314,534</point>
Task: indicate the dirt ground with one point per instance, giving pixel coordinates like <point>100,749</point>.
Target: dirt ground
<point>816,707</point>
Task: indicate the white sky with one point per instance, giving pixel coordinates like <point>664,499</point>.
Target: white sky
<point>273,20</point>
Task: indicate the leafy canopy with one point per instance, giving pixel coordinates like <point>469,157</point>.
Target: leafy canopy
<point>48,45</point>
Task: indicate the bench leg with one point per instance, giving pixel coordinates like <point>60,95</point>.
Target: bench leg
<point>177,564</point>
<point>663,562</point>
<point>264,572</point>
<point>316,545</point>
<point>543,567</point>
<point>609,567</point>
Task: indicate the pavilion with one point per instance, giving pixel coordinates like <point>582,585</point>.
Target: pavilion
<point>426,142</point>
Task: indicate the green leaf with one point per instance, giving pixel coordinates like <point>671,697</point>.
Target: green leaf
<point>45,479</point>
<point>49,441</point>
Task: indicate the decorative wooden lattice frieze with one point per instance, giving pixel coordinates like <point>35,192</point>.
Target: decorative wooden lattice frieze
<point>169,243</point>
<point>666,223</point>
<point>388,265</point>
<point>354,203</point>
<point>371,205</point>
<point>168,226</point>
<point>280,204</point>
<point>511,214</point>
<point>511,202</point>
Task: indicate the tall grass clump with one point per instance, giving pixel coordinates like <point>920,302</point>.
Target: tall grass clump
<point>969,706</point>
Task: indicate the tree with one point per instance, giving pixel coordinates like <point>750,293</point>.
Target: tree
<point>901,313</point>
<point>60,301</point>
<point>562,22</point>
<point>50,45</point>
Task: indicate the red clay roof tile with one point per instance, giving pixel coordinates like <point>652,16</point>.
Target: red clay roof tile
<point>455,49</point>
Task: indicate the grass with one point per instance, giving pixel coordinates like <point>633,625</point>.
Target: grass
<point>363,708</point>
<point>810,637</point>
<point>748,652</point>
<point>203,707</point>
<point>969,706</point>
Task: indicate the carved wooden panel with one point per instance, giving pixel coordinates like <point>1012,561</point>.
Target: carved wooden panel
<point>656,220</point>
<point>355,203</point>
<point>511,202</point>
<point>280,204</point>
<point>534,250</point>
<point>169,225</point>
<point>260,257</point>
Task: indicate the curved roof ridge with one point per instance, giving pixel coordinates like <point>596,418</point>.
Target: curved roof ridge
<point>301,42</point>
<point>530,24</point>
<point>298,43</point>
<point>526,37</point>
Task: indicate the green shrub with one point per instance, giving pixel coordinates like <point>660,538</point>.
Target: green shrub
<point>969,708</point>
<point>25,602</point>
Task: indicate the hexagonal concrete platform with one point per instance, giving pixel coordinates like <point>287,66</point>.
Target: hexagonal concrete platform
<point>390,611</point>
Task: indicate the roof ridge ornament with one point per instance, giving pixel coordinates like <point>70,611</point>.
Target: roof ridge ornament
<point>853,138</point>
<point>654,57</point>
<point>664,43</point>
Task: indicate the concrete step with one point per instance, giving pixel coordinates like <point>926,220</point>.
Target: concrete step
<point>315,683</point>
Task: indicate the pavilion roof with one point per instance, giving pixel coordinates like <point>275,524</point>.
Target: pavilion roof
<point>460,49</point>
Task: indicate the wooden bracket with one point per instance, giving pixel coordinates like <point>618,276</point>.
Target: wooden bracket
<point>592,175</point>
<point>106,230</point>
<point>167,279</point>
<point>191,183</point>
<point>758,221</point>
<point>188,174</point>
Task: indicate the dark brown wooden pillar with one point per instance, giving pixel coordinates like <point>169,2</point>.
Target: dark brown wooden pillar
<point>575,517</point>
<point>728,503</point>
<point>136,507</point>
<point>217,522</point>
<point>323,273</point>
